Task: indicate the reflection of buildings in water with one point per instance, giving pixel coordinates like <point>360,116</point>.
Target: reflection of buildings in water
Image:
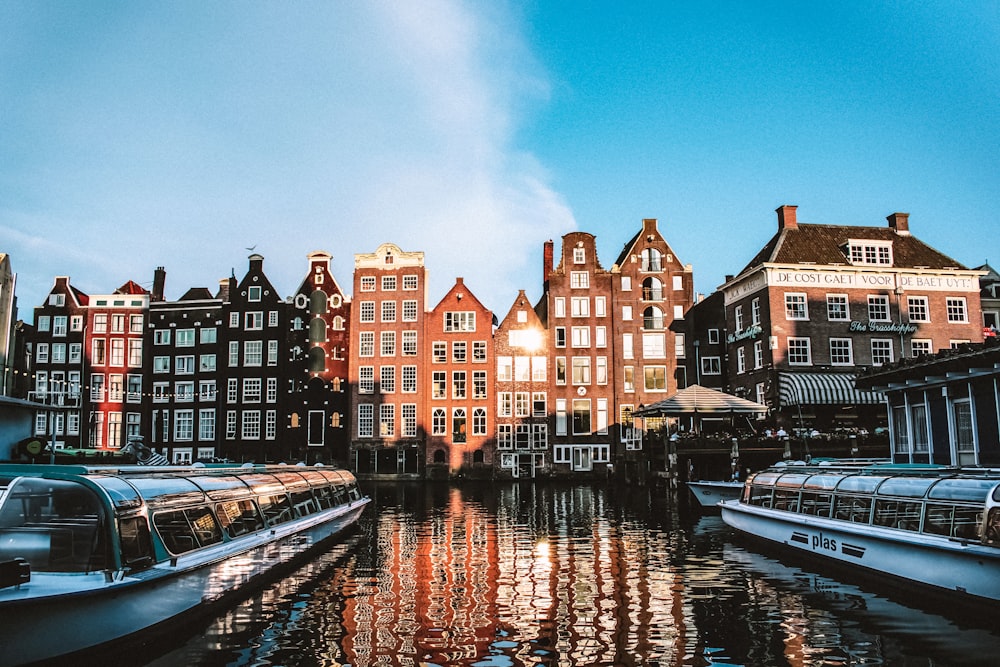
<point>546,578</point>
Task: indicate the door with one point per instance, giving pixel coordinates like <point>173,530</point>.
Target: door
<point>582,459</point>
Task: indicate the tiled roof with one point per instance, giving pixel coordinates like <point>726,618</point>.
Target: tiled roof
<point>131,287</point>
<point>826,244</point>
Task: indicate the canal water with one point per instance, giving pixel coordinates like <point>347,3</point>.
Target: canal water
<point>544,574</point>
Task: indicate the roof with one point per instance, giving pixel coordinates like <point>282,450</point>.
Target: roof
<point>825,244</point>
<point>960,362</point>
<point>131,287</point>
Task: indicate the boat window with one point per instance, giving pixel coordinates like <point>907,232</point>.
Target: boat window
<point>239,517</point>
<point>993,527</point>
<point>901,514</point>
<point>137,549</point>
<point>852,508</point>
<point>221,487</point>
<point>276,508</point>
<point>953,521</point>
<point>909,487</point>
<point>760,495</point>
<point>793,480</point>
<point>123,495</point>
<point>860,483</point>
<point>786,500</point>
<point>822,482</point>
<point>766,478</point>
<point>55,525</point>
<point>818,504</point>
<point>168,490</point>
<point>187,529</point>
<point>263,484</point>
<point>971,490</point>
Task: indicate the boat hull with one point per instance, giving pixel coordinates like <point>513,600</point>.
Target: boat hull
<point>38,629</point>
<point>960,567</point>
<point>709,494</point>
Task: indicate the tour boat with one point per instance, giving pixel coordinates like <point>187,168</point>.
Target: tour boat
<point>927,525</point>
<point>709,493</point>
<point>92,555</point>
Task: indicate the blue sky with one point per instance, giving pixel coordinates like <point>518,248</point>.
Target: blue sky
<point>179,134</point>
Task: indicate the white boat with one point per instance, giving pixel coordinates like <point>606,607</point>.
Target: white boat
<point>934,526</point>
<point>94,555</point>
<point>709,493</point>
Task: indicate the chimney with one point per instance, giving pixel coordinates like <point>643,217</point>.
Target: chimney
<point>786,217</point>
<point>900,222</point>
<point>223,290</point>
<point>648,226</point>
<point>547,257</point>
<point>159,282</point>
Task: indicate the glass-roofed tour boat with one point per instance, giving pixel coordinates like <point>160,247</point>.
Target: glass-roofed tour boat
<point>92,555</point>
<point>929,525</point>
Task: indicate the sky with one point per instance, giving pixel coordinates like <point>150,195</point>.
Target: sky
<point>188,134</point>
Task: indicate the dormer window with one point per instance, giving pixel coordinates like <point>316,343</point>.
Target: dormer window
<point>869,253</point>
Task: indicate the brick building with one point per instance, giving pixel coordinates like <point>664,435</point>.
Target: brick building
<point>462,372</point>
<point>319,346</point>
<point>818,303</point>
<point>523,366</point>
<point>388,350</point>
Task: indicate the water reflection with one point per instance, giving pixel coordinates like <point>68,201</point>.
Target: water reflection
<point>526,574</point>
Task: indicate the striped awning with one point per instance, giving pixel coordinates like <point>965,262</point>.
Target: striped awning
<point>823,389</point>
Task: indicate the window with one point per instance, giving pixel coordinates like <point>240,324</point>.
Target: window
<point>251,390</point>
<point>135,352</point>
<point>439,352</point>
<point>410,310</point>
<point>253,353</point>
<point>117,352</point>
<point>579,255</point>
<point>600,306</point>
<point>627,313</point>
<point>185,338</point>
<point>251,424</point>
<point>183,424</point>
<point>208,335</point>
<point>459,321</point>
<point>504,404</point>
<point>601,367</point>
<point>387,347</point>
<point>458,351</point>
<point>183,391</point>
<point>232,390</point>
<point>651,260</point>
<point>366,416</point>
<point>654,346</point>
<point>652,289</point>
<point>878,308</point>
<point>478,351</point>
<point>206,389</point>
<point>206,424</point>
<point>100,323</point>
<point>387,379</point>
<point>655,378</point>
<point>439,384</point>
<point>539,369</point>
<point>388,311</point>
<point>387,420</point>
<point>75,323</point>
<point>837,309</point>
<point>580,306</point>
<point>272,390</point>
<point>366,347</point>
<point>560,334</point>
<point>234,353</point>
<point>206,362</point>
<point>626,284</point>
<point>409,383</point>
<point>738,318</point>
<point>522,369</point>
<point>711,366</point>
<point>366,379</point>
<point>741,360</point>
<point>799,352</point>
<point>458,416</point>
<point>601,336</point>
<point>538,404</point>
<point>713,337</point>
<point>42,353</point>
<point>409,282</point>
<point>581,370</point>
<point>652,318</point>
<point>478,384</point>
<point>439,422</point>
<point>870,253</point>
<point>75,352</point>
<point>367,311</point>
<point>388,283</point>
<point>841,352</point>
<point>581,336</point>
<point>254,321</point>
<point>161,364</point>
<point>253,293</point>
<point>755,311</point>
<point>881,351</point>
<point>920,346</point>
<point>796,307</point>
<point>522,404</point>
<point>234,322</point>
<point>458,388</point>
<point>161,337</point>
<point>505,366</point>
<point>409,417</point>
<point>758,354</point>
<point>478,421</point>
<point>367,283</point>
<point>560,370</point>
<point>916,308</point>
<point>579,279</point>
<point>956,309</point>
<point>581,416</point>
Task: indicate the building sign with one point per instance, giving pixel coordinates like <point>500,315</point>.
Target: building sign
<point>870,326</point>
<point>749,332</point>
<point>966,281</point>
<point>939,283</point>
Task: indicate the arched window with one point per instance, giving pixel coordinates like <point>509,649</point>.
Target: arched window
<point>652,289</point>
<point>651,260</point>
<point>652,318</point>
<point>317,360</point>
<point>439,456</point>
<point>477,457</point>
<point>317,330</point>
<point>317,302</point>
<point>338,323</point>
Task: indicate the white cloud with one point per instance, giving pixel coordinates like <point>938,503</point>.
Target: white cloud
<point>197,131</point>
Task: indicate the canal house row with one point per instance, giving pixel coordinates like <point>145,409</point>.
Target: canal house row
<point>389,384</point>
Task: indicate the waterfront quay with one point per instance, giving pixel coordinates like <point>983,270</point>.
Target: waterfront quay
<point>534,573</point>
